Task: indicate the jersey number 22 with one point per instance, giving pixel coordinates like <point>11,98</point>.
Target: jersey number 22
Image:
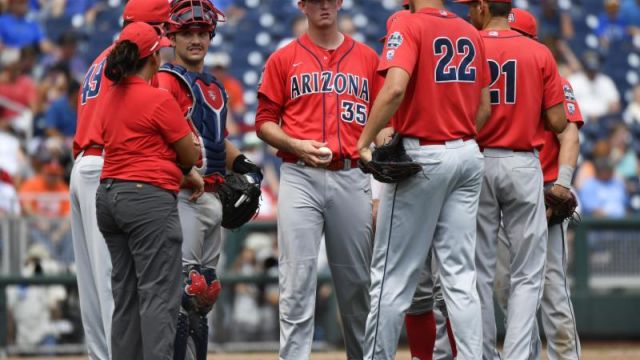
<point>445,71</point>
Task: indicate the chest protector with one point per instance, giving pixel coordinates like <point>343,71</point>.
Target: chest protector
<point>207,114</point>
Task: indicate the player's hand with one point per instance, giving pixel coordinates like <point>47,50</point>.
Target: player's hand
<point>194,181</point>
<point>308,151</point>
<point>365,154</point>
<point>561,191</point>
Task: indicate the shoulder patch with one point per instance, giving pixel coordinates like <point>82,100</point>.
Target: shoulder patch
<point>568,93</point>
<point>395,40</point>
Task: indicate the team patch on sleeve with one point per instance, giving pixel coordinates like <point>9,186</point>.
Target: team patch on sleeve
<point>571,108</point>
<point>568,93</point>
<point>395,40</point>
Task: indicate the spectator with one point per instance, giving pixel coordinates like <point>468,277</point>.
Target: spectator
<point>18,31</point>
<point>622,155</point>
<point>67,56</point>
<point>604,195</point>
<point>587,170</point>
<point>45,197</point>
<point>631,114</point>
<point>596,92</point>
<point>12,159</point>
<point>237,108</point>
<point>17,91</point>
<point>60,119</point>
<point>630,12</point>
<point>611,25</point>
<point>246,313</point>
<point>9,202</point>
<point>35,308</point>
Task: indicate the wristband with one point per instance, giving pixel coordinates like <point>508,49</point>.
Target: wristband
<point>565,174</point>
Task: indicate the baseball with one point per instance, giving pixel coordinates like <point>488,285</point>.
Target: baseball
<point>327,151</point>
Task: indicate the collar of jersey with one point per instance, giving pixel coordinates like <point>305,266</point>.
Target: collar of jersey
<point>438,12</point>
<point>133,79</point>
<point>306,41</point>
<point>501,33</point>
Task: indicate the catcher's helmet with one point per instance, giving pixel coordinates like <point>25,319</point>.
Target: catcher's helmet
<point>194,14</point>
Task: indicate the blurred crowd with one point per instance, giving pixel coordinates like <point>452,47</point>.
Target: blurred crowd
<point>45,46</point>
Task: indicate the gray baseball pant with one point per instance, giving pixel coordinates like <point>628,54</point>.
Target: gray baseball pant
<point>92,259</point>
<point>201,229</point>
<point>337,203</point>
<point>437,207</point>
<point>512,194</point>
<point>558,319</point>
<point>141,226</point>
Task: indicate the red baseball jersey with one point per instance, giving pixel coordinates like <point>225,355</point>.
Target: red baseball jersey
<point>87,128</point>
<point>88,132</point>
<point>524,82</point>
<point>139,123</point>
<point>551,148</point>
<point>445,57</point>
<point>325,95</point>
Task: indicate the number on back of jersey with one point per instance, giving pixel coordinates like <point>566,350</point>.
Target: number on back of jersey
<point>91,83</point>
<point>450,53</point>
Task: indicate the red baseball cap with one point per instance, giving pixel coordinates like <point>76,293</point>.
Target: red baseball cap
<point>524,22</point>
<point>149,39</point>
<point>149,11</point>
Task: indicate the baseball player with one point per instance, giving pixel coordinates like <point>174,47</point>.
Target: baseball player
<point>558,158</point>
<point>524,83</point>
<point>439,60</point>
<point>192,25</point>
<point>314,100</point>
<point>421,320</point>
<point>92,256</point>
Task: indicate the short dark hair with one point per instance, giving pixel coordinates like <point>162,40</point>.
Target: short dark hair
<point>499,9</point>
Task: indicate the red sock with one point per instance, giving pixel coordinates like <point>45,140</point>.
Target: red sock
<point>421,333</point>
<point>452,339</point>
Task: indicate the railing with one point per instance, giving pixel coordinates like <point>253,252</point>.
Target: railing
<point>605,276</point>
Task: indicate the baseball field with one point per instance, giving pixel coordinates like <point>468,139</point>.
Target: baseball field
<point>590,351</point>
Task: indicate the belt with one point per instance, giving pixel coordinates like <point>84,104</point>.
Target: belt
<point>93,150</point>
<point>425,142</point>
<point>212,187</point>
<point>335,165</point>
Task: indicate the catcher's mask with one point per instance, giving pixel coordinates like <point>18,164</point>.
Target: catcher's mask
<point>194,14</point>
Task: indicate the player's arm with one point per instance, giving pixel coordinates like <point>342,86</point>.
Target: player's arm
<point>268,129</point>
<point>237,162</point>
<point>555,119</point>
<point>567,160</point>
<point>187,150</point>
<point>386,104</point>
<point>484,110</point>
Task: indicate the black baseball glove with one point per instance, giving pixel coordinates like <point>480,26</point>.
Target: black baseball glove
<point>390,162</point>
<point>240,198</point>
<point>559,209</point>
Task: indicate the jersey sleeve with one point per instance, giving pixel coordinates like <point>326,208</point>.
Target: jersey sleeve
<point>571,107</point>
<point>273,81</point>
<point>483,64</point>
<point>169,121</point>
<point>553,94</point>
<point>400,49</point>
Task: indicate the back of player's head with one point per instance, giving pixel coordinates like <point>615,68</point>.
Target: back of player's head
<point>149,11</point>
<point>523,22</point>
<point>500,8</point>
<point>136,44</point>
<point>194,14</point>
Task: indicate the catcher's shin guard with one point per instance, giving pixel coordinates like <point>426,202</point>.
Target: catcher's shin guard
<point>199,332</point>
<point>209,296</point>
<point>182,337</point>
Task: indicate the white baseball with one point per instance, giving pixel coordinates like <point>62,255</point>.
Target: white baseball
<point>327,151</point>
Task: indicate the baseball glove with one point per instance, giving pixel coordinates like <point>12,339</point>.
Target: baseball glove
<point>390,162</point>
<point>240,197</point>
<point>559,209</point>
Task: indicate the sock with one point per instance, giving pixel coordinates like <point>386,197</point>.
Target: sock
<point>452,339</point>
<point>421,333</point>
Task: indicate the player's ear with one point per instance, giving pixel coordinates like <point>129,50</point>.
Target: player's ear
<point>172,38</point>
<point>339,4</point>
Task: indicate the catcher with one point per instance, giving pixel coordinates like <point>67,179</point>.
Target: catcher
<point>207,199</point>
